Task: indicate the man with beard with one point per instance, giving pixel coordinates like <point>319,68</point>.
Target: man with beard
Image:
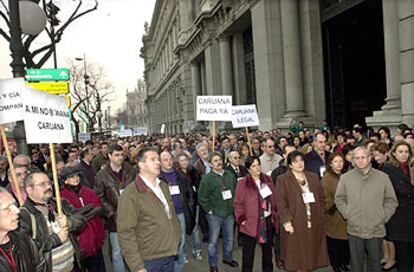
<point>92,236</point>
<point>54,235</point>
<point>18,251</point>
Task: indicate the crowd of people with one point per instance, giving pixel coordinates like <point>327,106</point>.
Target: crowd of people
<point>308,198</point>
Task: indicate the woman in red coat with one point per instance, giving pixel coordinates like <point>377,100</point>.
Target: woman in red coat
<point>255,212</point>
<point>300,202</point>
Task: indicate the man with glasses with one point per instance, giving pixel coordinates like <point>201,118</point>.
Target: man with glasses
<point>366,199</point>
<point>234,165</point>
<point>21,173</point>
<point>269,160</point>
<point>54,235</point>
<point>18,251</point>
<point>315,161</point>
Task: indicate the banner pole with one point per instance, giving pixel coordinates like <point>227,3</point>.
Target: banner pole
<point>10,161</point>
<point>55,179</point>
<point>249,142</point>
<point>214,134</point>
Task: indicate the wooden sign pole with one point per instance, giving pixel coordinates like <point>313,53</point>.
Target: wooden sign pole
<point>55,179</point>
<point>13,173</point>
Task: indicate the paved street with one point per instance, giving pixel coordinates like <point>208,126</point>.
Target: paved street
<point>195,266</point>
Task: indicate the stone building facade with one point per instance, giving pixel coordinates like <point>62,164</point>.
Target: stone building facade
<point>136,109</point>
<point>277,55</point>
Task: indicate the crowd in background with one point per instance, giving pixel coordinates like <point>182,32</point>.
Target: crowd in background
<point>308,197</point>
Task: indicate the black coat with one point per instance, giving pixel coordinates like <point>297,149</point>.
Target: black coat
<point>313,162</point>
<point>242,171</point>
<point>25,254</point>
<point>401,225</point>
<point>44,241</point>
<point>187,199</point>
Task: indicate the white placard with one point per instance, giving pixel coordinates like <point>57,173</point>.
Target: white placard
<point>244,116</point>
<point>84,136</point>
<point>125,133</point>
<point>46,118</point>
<point>214,108</point>
<point>140,131</point>
<point>162,128</point>
<point>11,104</point>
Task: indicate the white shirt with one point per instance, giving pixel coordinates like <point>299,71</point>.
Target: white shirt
<point>158,192</point>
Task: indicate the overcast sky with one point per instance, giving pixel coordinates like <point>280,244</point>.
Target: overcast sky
<point>111,36</point>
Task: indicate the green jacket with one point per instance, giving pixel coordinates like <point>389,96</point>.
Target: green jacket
<point>366,201</point>
<point>210,193</point>
<point>144,230</point>
<point>99,161</point>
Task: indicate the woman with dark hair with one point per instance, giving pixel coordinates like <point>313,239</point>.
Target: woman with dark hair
<point>300,202</point>
<point>255,212</point>
<point>400,227</point>
<point>335,225</point>
<point>297,142</point>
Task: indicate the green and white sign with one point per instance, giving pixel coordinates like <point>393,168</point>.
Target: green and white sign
<point>47,74</point>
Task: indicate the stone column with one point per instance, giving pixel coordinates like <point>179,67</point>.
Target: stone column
<point>196,82</point>
<point>226,66</point>
<point>239,70</point>
<point>268,59</point>
<point>292,58</point>
<point>212,68</point>
<point>392,52</point>
<point>406,32</point>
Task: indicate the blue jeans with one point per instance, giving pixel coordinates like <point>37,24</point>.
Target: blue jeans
<point>195,236</point>
<point>117,260</point>
<point>165,264</point>
<point>215,223</point>
<point>179,263</point>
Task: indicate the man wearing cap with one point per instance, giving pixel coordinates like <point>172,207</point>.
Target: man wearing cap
<point>92,236</point>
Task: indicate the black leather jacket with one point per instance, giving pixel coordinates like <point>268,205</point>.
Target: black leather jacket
<point>25,253</point>
<point>45,241</point>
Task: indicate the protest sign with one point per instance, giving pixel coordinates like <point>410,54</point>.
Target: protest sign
<point>125,132</point>
<point>140,131</point>
<point>214,108</point>
<point>11,105</point>
<point>84,136</point>
<point>162,128</point>
<point>46,118</point>
<point>244,116</point>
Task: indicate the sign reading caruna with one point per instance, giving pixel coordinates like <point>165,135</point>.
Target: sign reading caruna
<point>214,108</point>
<point>244,116</point>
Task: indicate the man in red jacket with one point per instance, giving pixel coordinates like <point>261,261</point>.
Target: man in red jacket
<point>92,236</point>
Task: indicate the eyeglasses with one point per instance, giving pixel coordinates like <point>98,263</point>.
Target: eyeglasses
<point>43,184</point>
<point>9,207</point>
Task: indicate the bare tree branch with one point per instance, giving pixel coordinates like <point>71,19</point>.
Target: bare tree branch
<point>4,6</point>
<point>4,34</point>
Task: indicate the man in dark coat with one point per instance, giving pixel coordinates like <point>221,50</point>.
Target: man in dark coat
<point>17,245</point>
<point>85,166</point>
<point>234,165</point>
<point>111,181</point>
<point>315,161</point>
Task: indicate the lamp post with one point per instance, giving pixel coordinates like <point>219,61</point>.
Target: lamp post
<point>16,49</point>
<point>86,80</point>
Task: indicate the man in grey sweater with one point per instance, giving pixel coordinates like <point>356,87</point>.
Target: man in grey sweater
<point>366,199</point>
